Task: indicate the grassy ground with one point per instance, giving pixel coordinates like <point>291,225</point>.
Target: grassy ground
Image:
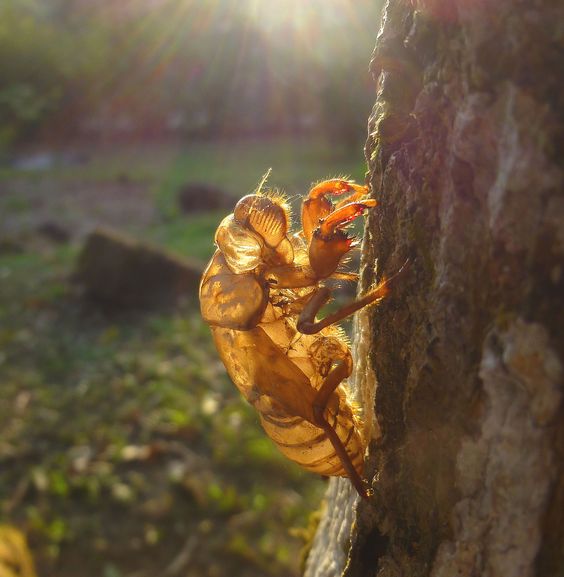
<point>124,448</point>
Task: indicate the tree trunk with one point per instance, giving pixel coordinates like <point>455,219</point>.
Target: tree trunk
<point>463,361</point>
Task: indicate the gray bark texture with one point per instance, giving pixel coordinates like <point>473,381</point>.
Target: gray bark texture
<point>463,362</point>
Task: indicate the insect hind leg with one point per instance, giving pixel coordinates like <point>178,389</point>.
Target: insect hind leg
<point>331,382</point>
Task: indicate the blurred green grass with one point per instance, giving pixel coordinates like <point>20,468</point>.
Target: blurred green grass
<point>122,440</point>
<point>238,169</point>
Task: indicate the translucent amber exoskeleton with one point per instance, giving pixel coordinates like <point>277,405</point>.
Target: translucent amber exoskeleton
<point>260,294</point>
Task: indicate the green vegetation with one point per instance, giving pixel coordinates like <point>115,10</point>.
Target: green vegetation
<point>124,448</point>
<point>238,169</point>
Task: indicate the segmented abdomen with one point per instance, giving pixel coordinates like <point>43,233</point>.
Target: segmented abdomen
<point>281,392</point>
<point>308,445</point>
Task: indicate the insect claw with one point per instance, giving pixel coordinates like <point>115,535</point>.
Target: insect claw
<point>317,207</point>
<point>329,244</point>
<point>343,216</point>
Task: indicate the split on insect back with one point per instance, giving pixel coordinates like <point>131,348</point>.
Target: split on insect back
<point>261,294</point>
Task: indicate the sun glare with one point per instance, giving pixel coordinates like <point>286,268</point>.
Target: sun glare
<point>298,13</point>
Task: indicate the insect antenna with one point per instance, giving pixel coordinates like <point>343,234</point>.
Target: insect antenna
<point>263,180</point>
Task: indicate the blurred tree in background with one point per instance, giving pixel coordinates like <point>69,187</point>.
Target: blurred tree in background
<point>218,68</point>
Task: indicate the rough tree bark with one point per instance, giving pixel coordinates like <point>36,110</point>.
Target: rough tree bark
<point>463,362</point>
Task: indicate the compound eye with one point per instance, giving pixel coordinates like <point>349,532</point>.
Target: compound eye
<point>240,247</point>
<point>264,216</point>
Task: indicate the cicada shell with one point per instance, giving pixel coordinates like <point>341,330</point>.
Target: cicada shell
<point>261,293</point>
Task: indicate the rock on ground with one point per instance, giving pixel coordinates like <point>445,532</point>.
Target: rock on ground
<point>122,272</point>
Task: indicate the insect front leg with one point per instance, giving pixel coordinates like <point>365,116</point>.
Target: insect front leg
<point>329,242</point>
<point>337,375</point>
<point>317,206</point>
<point>309,326</point>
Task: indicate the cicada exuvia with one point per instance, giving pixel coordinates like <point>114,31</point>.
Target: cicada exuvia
<point>261,293</point>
